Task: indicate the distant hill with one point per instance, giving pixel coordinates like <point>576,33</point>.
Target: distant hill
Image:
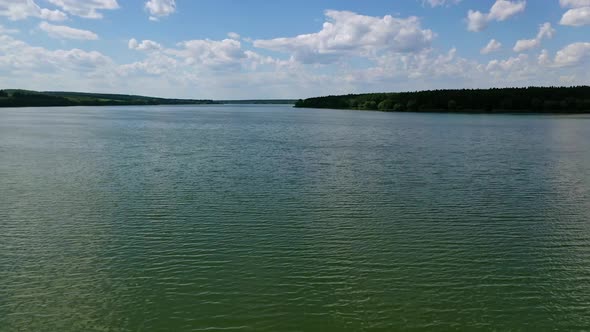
<point>27,98</point>
<point>514,100</point>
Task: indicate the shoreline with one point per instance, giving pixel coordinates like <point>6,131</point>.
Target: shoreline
<point>470,111</point>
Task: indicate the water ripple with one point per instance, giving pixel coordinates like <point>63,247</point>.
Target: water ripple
<point>270,219</point>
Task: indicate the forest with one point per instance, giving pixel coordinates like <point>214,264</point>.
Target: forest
<point>27,98</point>
<point>574,99</point>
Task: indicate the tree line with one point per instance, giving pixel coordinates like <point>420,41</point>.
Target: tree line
<point>25,98</point>
<point>532,99</point>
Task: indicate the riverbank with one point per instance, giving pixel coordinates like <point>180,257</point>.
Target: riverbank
<point>506,100</point>
<point>27,98</point>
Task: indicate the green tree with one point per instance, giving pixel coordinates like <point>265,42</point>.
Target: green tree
<point>568,104</point>
<point>551,105</point>
<point>369,105</point>
<point>398,107</point>
<point>536,104</point>
<point>452,105</point>
<point>506,104</point>
<point>536,99</point>
<point>386,105</point>
<point>412,105</point>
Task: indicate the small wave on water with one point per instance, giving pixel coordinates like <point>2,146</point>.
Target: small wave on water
<point>283,220</point>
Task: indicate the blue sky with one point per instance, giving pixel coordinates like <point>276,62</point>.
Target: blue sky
<point>291,49</point>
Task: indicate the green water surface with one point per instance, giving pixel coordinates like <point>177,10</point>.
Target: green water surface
<point>268,218</point>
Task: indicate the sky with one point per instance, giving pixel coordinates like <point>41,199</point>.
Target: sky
<point>239,49</point>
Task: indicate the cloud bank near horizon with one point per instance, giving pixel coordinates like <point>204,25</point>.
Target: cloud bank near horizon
<point>349,52</point>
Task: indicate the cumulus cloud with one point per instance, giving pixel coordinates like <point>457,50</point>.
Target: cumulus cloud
<point>516,68</point>
<point>492,46</point>
<point>21,9</point>
<point>572,54</point>
<point>436,3</point>
<point>544,58</point>
<point>38,68</point>
<point>500,11</point>
<point>4,30</point>
<point>155,64</point>
<point>396,53</point>
<point>66,32</point>
<point>52,15</point>
<point>545,31</point>
<point>476,21</point>
<point>160,8</point>
<point>574,3</point>
<point>349,34</point>
<point>503,9</point>
<point>213,54</point>
<point>86,8</point>
<point>203,55</point>
<point>145,45</point>
<point>576,17</point>
<point>233,35</point>
<point>526,44</point>
<point>18,55</point>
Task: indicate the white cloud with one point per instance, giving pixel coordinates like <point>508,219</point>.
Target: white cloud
<point>545,31</point>
<point>213,54</point>
<point>215,68</point>
<point>544,58</point>
<point>579,15</point>
<point>4,31</point>
<point>567,79</point>
<point>350,34</point>
<point>66,32</point>
<point>233,35</point>
<point>201,55</point>
<point>349,53</point>
<point>576,17</point>
<point>22,9</point>
<point>436,3</point>
<point>132,44</point>
<point>160,8</point>
<point>525,70</point>
<point>16,55</point>
<point>508,64</point>
<point>503,9</point>
<point>476,21</point>
<point>492,46</point>
<point>37,68</point>
<point>145,45</point>
<point>86,8</point>
<point>52,15</point>
<point>526,44</point>
<point>427,69</point>
<point>574,3</point>
<point>572,54</point>
<point>155,64</point>
<point>500,11</point>
<point>521,70</point>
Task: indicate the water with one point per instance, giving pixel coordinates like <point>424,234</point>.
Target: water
<point>268,218</point>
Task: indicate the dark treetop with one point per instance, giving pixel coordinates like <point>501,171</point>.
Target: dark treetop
<point>532,99</point>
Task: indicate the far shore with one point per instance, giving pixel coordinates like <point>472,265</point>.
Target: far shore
<point>553,100</point>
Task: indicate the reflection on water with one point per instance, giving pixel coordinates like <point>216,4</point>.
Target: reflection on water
<point>272,219</point>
